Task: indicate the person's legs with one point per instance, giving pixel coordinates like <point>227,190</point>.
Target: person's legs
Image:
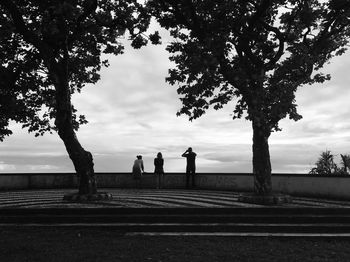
<point>187,180</point>
<point>193,178</point>
<point>160,180</point>
<point>138,183</point>
<point>192,172</point>
<point>157,179</point>
<point>188,173</point>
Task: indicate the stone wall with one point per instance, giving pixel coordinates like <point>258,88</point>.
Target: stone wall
<point>294,184</point>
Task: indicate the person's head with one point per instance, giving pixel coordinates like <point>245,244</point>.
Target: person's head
<point>189,149</point>
<point>159,155</point>
<point>139,157</point>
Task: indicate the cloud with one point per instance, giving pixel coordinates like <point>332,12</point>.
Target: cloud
<point>6,167</point>
<point>132,110</point>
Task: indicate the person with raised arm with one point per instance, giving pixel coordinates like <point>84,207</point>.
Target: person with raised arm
<point>190,167</point>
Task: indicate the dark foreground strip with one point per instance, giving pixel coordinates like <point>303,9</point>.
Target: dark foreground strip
<point>240,234</point>
<point>183,233</point>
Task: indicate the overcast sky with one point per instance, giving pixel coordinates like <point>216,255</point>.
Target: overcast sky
<point>132,110</point>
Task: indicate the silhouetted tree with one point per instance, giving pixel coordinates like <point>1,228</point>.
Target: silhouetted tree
<point>325,165</point>
<point>51,49</point>
<point>345,162</point>
<point>255,53</point>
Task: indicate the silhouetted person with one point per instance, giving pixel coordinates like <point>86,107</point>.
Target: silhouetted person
<point>158,169</point>
<point>190,167</point>
<point>137,170</point>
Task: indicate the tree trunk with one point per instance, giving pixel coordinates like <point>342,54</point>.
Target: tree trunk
<point>82,160</point>
<point>261,160</point>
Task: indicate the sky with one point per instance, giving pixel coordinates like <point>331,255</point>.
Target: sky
<point>132,111</point>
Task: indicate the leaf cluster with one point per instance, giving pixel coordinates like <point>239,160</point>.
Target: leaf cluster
<point>19,78</point>
<point>256,53</point>
<point>70,35</point>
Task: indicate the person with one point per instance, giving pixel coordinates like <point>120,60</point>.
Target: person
<point>138,169</point>
<point>190,167</point>
<point>158,169</point>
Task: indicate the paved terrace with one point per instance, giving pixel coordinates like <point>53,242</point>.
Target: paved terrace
<point>147,198</point>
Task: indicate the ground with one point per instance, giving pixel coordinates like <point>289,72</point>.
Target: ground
<point>139,198</point>
<point>51,244</point>
<point>93,244</point>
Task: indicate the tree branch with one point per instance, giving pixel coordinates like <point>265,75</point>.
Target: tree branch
<point>280,51</point>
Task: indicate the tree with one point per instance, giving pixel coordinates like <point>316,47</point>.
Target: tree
<point>345,162</point>
<point>325,165</point>
<point>255,53</point>
<point>51,49</point>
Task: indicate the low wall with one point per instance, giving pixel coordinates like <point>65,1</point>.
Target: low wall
<point>37,180</point>
<point>294,184</point>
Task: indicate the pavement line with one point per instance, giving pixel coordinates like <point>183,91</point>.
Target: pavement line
<point>121,224</point>
<point>238,234</point>
<point>186,202</point>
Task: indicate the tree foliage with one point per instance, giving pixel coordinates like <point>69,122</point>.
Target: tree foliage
<point>255,53</point>
<point>345,163</point>
<point>38,37</point>
<point>326,165</point>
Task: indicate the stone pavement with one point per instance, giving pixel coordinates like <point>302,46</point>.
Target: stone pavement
<point>146,198</point>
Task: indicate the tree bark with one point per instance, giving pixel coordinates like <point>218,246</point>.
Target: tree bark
<point>82,160</point>
<point>261,160</point>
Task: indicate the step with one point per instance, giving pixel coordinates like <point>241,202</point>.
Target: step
<point>184,220</point>
<point>203,227</point>
<point>178,218</point>
<point>173,216</point>
<point>173,211</point>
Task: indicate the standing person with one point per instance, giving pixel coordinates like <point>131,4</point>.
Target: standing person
<point>137,170</point>
<point>158,169</point>
<point>190,167</point>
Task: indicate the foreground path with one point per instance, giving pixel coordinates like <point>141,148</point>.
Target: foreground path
<point>146,198</point>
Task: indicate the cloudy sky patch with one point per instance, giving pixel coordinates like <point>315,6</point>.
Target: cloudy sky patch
<point>132,110</point>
